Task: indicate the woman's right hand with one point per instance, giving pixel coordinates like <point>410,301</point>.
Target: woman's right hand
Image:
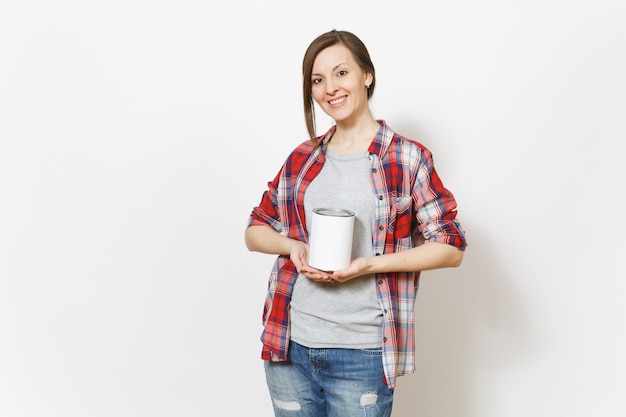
<point>299,255</point>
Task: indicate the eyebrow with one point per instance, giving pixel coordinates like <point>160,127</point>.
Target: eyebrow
<point>334,68</point>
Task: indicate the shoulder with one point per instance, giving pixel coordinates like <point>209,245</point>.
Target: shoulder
<point>306,146</point>
<point>393,142</point>
<point>299,156</point>
<point>403,141</point>
<point>408,149</point>
<point>303,150</point>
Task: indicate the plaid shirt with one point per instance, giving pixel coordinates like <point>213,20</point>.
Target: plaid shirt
<point>412,207</point>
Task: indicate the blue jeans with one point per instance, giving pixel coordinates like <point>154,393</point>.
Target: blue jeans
<point>329,383</point>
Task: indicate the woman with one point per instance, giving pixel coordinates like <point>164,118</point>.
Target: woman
<point>334,342</point>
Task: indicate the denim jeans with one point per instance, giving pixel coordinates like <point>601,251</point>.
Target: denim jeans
<point>329,383</point>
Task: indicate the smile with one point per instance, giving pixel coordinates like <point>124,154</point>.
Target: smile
<point>337,101</point>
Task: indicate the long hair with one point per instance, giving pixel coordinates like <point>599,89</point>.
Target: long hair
<point>334,37</point>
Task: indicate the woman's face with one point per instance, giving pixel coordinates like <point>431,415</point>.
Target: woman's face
<point>339,86</point>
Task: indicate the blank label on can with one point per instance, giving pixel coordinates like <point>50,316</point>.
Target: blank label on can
<point>330,242</point>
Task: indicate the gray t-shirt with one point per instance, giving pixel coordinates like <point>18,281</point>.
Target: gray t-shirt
<point>348,314</point>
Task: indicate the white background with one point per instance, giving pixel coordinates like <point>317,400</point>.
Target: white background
<point>136,136</point>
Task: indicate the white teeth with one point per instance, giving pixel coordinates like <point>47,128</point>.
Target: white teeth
<point>339,100</point>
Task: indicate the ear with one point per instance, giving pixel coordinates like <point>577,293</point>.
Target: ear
<point>368,80</point>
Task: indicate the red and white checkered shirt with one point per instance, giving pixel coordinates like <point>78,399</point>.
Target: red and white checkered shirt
<point>412,207</point>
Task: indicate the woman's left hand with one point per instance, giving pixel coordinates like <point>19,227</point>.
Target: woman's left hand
<point>316,274</point>
<point>356,268</point>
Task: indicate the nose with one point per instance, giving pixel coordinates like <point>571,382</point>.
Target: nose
<point>331,88</point>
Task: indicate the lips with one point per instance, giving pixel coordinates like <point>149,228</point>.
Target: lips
<point>337,101</point>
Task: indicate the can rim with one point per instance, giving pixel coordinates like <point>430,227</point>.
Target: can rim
<point>333,211</point>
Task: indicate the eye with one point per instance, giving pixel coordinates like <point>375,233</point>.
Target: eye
<point>342,73</point>
<point>316,80</point>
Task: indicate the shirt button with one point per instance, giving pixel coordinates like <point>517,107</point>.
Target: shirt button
<point>381,227</point>
<point>380,282</point>
<point>380,197</point>
<point>378,254</point>
<point>385,339</point>
<point>374,170</point>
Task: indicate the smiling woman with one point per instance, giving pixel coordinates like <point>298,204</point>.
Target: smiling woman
<point>341,89</point>
<point>334,342</point>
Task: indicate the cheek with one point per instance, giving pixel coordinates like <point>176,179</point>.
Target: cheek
<point>318,95</point>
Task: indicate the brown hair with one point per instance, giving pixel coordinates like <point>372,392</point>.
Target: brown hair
<point>334,37</point>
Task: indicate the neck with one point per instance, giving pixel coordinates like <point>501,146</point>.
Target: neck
<point>354,138</point>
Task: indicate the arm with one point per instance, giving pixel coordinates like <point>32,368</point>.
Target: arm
<point>421,258</point>
<point>434,208</point>
<point>264,239</point>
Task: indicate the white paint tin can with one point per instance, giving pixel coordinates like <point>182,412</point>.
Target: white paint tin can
<point>330,242</point>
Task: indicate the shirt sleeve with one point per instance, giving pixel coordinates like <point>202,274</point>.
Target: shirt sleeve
<point>435,206</point>
<point>266,213</point>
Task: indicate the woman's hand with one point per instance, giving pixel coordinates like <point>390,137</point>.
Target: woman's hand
<point>421,258</point>
<point>356,268</point>
<point>299,255</point>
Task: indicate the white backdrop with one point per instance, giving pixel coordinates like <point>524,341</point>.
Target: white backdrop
<point>136,136</point>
